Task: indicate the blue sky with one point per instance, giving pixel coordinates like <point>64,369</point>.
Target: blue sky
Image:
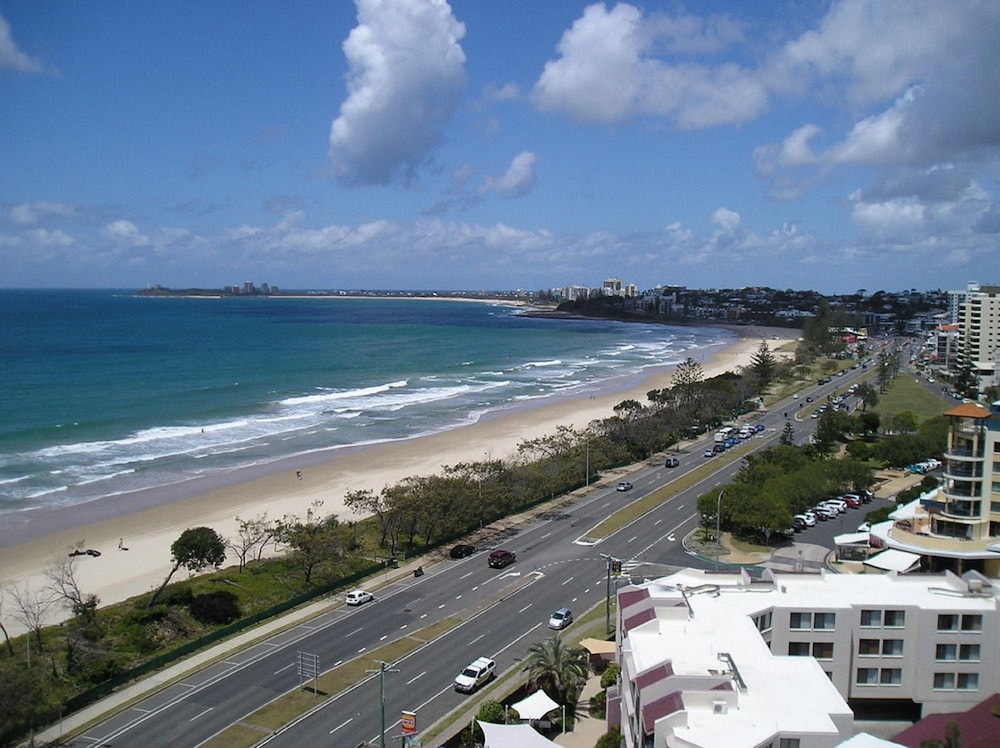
<point>424,144</point>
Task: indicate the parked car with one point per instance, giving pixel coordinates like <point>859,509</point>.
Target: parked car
<point>501,558</point>
<point>358,597</point>
<point>462,550</point>
<point>799,523</point>
<point>623,485</point>
<point>672,462</point>
<point>561,619</point>
<point>852,500</point>
<point>823,513</point>
<point>807,520</point>
<point>838,505</point>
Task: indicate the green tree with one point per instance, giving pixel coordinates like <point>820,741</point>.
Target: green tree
<point>558,669</point>
<point>685,381</point>
<point>196,549</point>
<point>763,366</point>
<point>494,712</point>
<point>867,394</point>
<point>787,434</point>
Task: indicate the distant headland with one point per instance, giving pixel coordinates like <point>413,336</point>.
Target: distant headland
<point>249,289</point>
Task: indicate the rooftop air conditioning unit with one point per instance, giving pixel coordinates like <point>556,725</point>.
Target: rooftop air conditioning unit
<point>720,707</point>
<point>975,585</point>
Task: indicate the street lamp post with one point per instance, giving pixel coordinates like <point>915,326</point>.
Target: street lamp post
<point>718,536</point>
<point>383,668</point>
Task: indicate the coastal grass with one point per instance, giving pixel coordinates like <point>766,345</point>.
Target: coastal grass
<point>907,393</point>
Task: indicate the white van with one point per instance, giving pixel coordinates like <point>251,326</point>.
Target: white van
<point>724,433</point>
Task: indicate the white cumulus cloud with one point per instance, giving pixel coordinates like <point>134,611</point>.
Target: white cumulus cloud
<point>407,72</point>
<point>611,68</point>
<point>517,181</point>
<point>12,58</point>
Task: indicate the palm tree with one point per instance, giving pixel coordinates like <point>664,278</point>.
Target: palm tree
<point>558,669</point>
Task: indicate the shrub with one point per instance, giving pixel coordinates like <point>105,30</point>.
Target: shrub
<point>610,675</point>
<point>598,705</point>
<point>218,608</point>
<point>611,739</point>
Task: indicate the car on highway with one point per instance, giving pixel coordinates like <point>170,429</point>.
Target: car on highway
<point>623,485</point>
<point>710,452</point>
<point>462,550</point>
<point>358,597</point>
<point>672,462</point>
<point>561,619</point>
<point>501,558</point>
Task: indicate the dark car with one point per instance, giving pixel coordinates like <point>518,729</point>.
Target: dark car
<point>462,550</point>
<point>672,462</point>
<point>501,558</point>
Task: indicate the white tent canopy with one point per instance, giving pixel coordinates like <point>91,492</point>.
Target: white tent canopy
<point>512,736</point>
<point>535,706</point>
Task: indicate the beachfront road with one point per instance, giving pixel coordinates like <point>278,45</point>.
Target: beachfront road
<point>502,613</point>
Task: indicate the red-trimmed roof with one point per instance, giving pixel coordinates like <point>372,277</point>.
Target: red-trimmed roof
<point>672,702</point>
<point>968,410</point>
<point>654,675</point>
<point>632,597</point>
<point>977,728</point>
<point>638,619</point>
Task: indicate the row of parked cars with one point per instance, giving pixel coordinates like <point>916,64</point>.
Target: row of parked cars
<point>729,437</point>
<point>830,508</point>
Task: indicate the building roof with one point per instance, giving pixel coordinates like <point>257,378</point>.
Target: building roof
<point>894,560</point>
<point>978,728</point>
<point>968,410</point>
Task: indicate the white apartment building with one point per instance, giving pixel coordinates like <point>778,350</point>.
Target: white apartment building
<point>716,659</point>
<point>956,526</point>
<point>979,322</point>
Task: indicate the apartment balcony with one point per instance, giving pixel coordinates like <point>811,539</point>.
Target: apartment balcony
<point>962,510</point>
<point>963,471</point>
<point>965,454</point>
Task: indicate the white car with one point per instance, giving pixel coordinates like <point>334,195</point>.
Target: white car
<point>358,597</point>
<point>808,518</point>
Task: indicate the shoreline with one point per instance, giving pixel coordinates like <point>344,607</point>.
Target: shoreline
<point>147,522</point>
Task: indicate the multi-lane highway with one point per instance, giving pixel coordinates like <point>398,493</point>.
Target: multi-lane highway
<point>502,613</point>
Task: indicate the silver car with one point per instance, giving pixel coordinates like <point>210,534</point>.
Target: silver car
<point>561,619</point>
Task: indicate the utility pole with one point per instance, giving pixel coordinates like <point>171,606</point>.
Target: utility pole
<point>607,594</point>
<point>383,668</point>
<point>718,536</point>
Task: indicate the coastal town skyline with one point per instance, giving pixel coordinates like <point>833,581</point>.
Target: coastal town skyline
<point>424,144</point>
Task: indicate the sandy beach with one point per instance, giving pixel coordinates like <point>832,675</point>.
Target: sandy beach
<point>148,523</point>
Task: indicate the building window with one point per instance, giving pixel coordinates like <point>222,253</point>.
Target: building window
<point>890,676</point>
<point>800,621</point>
<point>824,621</point>
<point>871,617</point>
<point>798,649</point>
<point>763,622</point>
<point>944,681</point>
<point>894,619</point>
<point>945,652</point>
<point>788,743</point>
<point>892,648</point>
<point>869,647</point>
<point>823,650</point>
<point>969,653</point>
<point>968,681</point>
<point>867,676</point>
<point>972,623</point>
<point>947,622</point>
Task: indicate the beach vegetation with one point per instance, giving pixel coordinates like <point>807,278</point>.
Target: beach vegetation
<point>196,549</point>
<point>253,535</point>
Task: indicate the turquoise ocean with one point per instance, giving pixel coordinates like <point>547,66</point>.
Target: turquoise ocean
<point>103,393</point>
